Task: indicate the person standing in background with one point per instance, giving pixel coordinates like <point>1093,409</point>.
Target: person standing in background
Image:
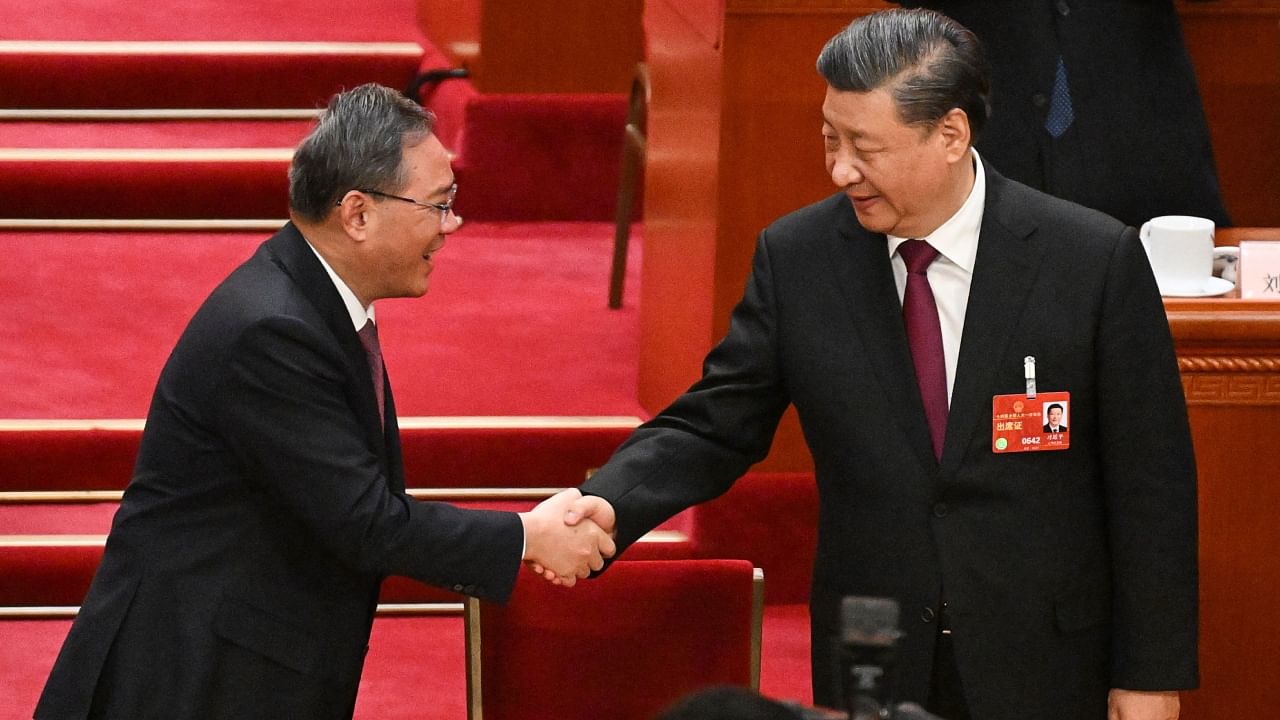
<point>1095,101</point>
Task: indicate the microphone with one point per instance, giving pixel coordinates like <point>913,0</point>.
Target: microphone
<point>866,656</point>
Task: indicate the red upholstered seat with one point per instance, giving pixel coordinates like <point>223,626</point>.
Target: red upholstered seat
<point>622,646</point>
<point>770,519</point>
<point>550,134</point>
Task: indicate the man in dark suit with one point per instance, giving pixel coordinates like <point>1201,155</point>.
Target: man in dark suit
<point>1054,417</point>
<point>1055,584</point>
<point>1124,132</point>
<point>243,567</point>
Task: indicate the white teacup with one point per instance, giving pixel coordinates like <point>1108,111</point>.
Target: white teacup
<point>1180,248</point>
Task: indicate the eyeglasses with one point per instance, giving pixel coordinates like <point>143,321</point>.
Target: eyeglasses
<point>445,208</point>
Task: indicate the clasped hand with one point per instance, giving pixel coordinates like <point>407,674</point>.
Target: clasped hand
<point>563,552</point>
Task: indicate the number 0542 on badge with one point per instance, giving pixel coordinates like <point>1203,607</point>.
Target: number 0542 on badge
<point>1023,424</point>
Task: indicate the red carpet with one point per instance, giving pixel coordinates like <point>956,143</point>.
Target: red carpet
<point>225,185</point>
<point>515,323</point>
<point>415,668</point>
<point>49,552</point>
<point>154,134</point>
<point>569,148</point>
<point>195,77</point>
<point>439,452</point>
<point>377,20</point>
<point>88,77</point>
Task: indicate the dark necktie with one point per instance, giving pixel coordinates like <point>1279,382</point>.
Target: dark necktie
<point>1061,115</point>
<point>924,333</point>
<point>369,339</point>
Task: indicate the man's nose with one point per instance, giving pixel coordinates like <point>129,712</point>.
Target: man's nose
<point>844,172</point>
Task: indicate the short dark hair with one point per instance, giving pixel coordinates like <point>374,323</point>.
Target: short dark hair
<point>358,142</point>
<point>1052,406</point>
<point>933,63</point>
<point>724,702</point>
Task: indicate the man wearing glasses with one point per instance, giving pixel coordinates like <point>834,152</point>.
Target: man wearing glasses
<point>267,505</point>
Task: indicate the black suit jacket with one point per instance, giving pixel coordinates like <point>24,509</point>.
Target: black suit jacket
<point>1049,428</point>
<point>242,570</point>
<point>1139,146</point>
<point>1066,572</point>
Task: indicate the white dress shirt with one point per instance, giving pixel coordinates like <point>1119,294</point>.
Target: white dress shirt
<point>950,275</point>
<point>359,313</point>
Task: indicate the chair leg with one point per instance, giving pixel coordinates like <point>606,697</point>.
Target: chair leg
<point>633,152</point>
<point>622,226</point>
<point>471,626</point>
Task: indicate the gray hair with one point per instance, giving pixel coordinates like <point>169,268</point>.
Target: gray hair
<point>931,64</point>
<point>358,144</point>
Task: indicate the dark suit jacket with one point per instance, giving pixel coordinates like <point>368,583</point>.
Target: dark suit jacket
<point>242,570</point>
<point>1066,572</point>
<point>1139,146</point>
<point>1049,428</point>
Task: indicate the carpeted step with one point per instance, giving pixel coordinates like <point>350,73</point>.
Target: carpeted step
<point>54,568</point>
<point>202,53</point>
<point>180,168</point>
<point>415,669</point>
<point>43,456</point>
<point>769,519</point>
<point>152,130</point>
<point>145,183</point>
<point>208,20</point>
<point>117,166</point>
<point>199,74</point>
<point>515,323</point>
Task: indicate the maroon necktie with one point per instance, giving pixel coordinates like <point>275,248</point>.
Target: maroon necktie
<point>369,339</point>
<point>924,333</point>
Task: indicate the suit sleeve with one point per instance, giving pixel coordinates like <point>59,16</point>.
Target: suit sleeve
<point>283,408</point>
<point>697,447</point>
<point>1149,469</point>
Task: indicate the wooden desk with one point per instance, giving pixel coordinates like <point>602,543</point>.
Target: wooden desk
<point>1229,354</point>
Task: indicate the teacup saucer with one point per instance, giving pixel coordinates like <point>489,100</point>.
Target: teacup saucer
<point>1210,287</point>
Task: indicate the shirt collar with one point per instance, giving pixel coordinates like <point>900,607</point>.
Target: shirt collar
<point>359,314</point>
<point>957,238</point>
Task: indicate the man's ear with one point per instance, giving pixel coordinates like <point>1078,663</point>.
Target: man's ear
<point>354,211</point>
<point>955,133</point>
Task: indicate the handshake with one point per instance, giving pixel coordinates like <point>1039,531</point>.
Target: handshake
<point>567,536</point>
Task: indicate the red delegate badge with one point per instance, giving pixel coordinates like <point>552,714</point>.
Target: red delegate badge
<point>1023,424</point>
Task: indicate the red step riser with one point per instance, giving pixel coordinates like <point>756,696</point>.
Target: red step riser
<point>191,81</point>
<point>476,458</point>
<point>125,190</point>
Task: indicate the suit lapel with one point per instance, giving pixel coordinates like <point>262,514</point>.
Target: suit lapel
<point>861,262</point>
<point>300,262</point>
<point>1003,274</point>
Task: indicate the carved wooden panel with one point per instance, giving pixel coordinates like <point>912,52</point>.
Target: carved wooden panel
<point>1232,387</point>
